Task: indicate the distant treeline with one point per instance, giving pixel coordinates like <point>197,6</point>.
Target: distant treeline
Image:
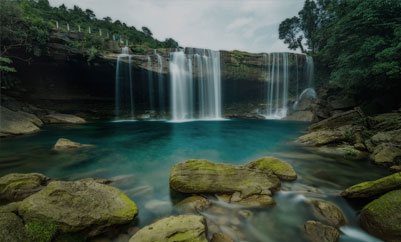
<point>27,24</point>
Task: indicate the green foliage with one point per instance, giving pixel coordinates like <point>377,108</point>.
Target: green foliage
<point>4,65</point>
<point>356,43</point>
<point>41,231</point>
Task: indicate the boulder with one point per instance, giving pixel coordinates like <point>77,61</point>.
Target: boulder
<point>83,205</point>
<point>193,204</point>
<point>374,188</point>
<point>220,237</point>
<point>18,186</point>
<point>183,228</point>
<point>387,137</point>
<point>17,123</point>
<point>12,229</point>
<point>345,118</point>
<point>328,213</point>
<point>253,201</point>
<point>323,137</point>
<point>386,154</point>
<point>66,144</point>
<point>344,151</point>
<point>318,232</point>
<point>382,217</point>
<point>59,118</point>
<point>386,121</point>
<point>202,176</point>
<point>273,165</point>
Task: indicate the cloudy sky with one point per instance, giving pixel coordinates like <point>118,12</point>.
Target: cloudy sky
<point>249,25</point>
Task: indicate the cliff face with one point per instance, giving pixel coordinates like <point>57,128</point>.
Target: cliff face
<point>63,79</point>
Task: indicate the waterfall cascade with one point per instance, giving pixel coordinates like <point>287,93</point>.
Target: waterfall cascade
<point>277,88</point>
<point>150,84</point>
<point>124,97</point>
<point>310,69</point>
<point>160,84</point>
<point>195,85</point>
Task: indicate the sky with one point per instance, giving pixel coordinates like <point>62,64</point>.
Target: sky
<point>248,25</point>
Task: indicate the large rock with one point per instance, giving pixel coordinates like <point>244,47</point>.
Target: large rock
<point>328,213</point>
<point>345,118</point>
<point>78,206</point>
<point>12,229</point>
<point>184,228</point>
<point>387,137</point>
<point>374,188</point>
<point>386,154</point>
<point>193,204</point>
<point>318,232</point>
<point>58,118</point>
<point>17,186</point>
<point>253,201</point>
<point>202,176</point>
<point>344,151</point>
<point>66,144</point>
<point>386,121</point>
<point>324,137</point>
<point>273,165</point>
<point>382,217</point>
<point>17,123</point>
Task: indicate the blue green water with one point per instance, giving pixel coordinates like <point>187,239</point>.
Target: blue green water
<point>139,155</point>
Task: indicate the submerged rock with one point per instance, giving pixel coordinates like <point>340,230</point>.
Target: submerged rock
<point>202,176</point>
<point>76,206</point>
<point>374,188</point>
<point>185,228</point>
<point>328,213</point>
<point>65,144</point>
<point>386,154</point>
<point>193,204</point>
<point>59,118</point>
<point>382,217</point>
<point>278,167</point>
<point>18,123</point>
<point>18,186</point>
<point>12,229</point>
<point>318,232</point>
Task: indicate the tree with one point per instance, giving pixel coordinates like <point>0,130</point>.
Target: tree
<point>147,31</point>
<point>107,19</point>
<point>90,14</point>
<point>290,32</point>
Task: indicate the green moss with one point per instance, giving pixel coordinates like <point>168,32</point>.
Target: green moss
<point>373,188</point>
<point>278,167</point>
<point>41,231</point>
<point>130,212</point>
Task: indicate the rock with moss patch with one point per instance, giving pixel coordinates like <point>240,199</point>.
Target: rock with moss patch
<point>183,228</point>
<point>17,186</point>
<point>341,119</point>
<point>386,154</point>
<point>393,136</point>
<point>59,118</point>
<point>318,232</point>
<point>17,123</point>
<point>12,229</point>
<point>382,217</point>
<point>328,213</point>
<point>323,137</point>
<point>374,188</point>
<point>41,230</point>
<point>66,144</point>
<point>253,201</point>
<point>78,206</point>
<point>278,167</point>
<point>202,176</point>
<point>193,204</point>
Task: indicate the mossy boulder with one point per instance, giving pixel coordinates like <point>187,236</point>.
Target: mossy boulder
<point>323,137</point>
<point>393,136</point>
<point>328,213</point>
<point>17,186</point>
<point>386,154</point>
<point>318,232</point>
<point>12,228</point>
<point>84,205</point>
<point>183,228</point>
<point>278,167</point>
<point>344,151</point>
<point>17,123</point>
<point>374,188</point>
<point>193,204</point>
<point>253,201</point>
<point>341,119</point>
<point>202,176</point>
<point>382,217</point>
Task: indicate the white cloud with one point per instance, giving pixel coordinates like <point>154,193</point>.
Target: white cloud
<point>249,25</point>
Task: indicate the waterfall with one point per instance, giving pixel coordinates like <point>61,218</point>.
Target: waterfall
<point>160,83</point>
<point>150,84</point>
<point>124,97</point>
<point>277,88</point>
<point>310,69</point>
<point>195,85</point>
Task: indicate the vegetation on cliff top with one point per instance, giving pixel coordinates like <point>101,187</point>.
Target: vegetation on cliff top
<point>27,25</point>
<point>356,43</point>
